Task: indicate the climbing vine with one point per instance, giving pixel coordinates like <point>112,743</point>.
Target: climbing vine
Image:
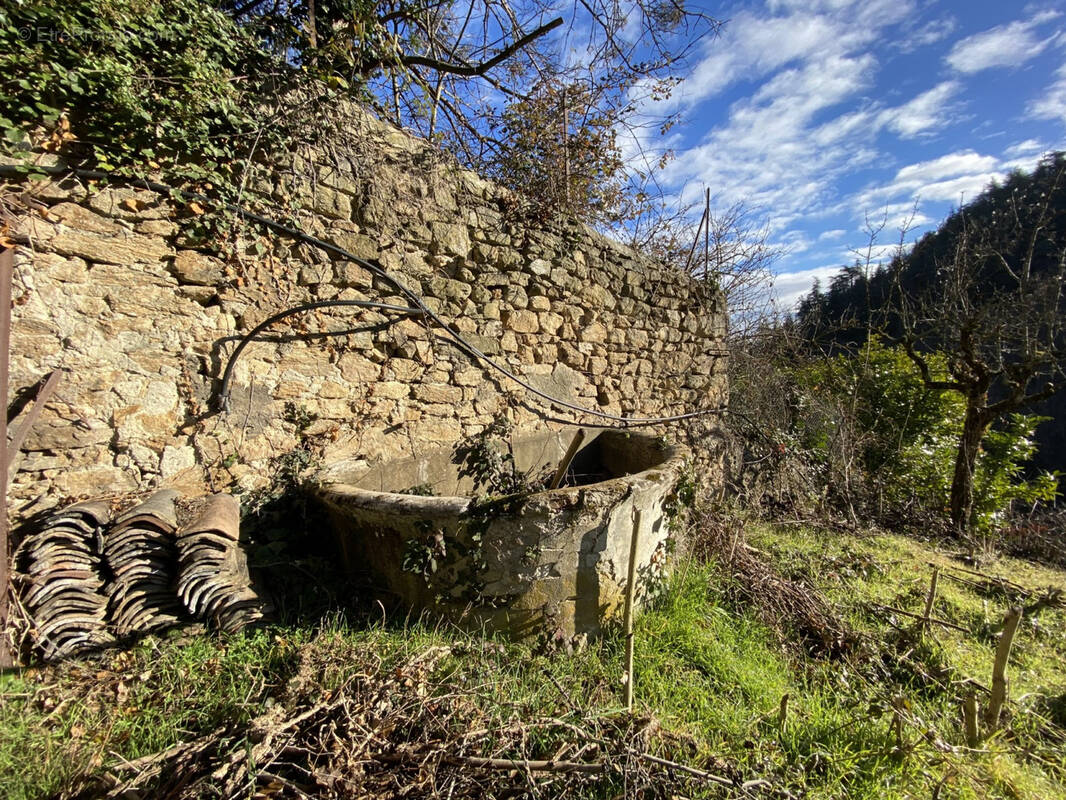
<point>175,89</point>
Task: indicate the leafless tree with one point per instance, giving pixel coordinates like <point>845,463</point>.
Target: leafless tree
<point>995,307</point>
<point>453,71</point>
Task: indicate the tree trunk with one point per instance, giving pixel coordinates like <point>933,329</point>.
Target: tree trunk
<point>973,431</point>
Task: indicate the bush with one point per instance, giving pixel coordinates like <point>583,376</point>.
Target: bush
<point>906,437</point>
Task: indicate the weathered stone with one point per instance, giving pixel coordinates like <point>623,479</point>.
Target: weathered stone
<point>595,332</point>
<point>515,296</point>
<point>358,369</point>
<point>53,433</point>
<point>593,296</point>
<point>80,218</point>
<point>157,227</point>
<point>176,459</point>
<point>454,239</point>
<point>394,390</point>
<point>539,266</point>
<point>521,321</point>
<point>438,393</point>
<point>121,250</point>
<point>314,274</point>
<point>333,204</point>
<point>197,268</point>
<point>126,203</point>
<point>550,322</point>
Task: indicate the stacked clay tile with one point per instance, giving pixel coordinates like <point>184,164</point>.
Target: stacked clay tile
<point>65,596</point>
<point>141,554</point>
<point>88,580</point>
<point>213,579</point>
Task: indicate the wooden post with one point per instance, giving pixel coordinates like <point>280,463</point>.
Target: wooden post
<point>929,600</point>
<point>7,267</point>
<point>631,583</point>
<point>696,242</point>
<point>969,718</point>
<point>564,465</point>
<point>999,668</point>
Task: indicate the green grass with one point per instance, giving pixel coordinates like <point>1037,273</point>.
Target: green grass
<point>709,685</point>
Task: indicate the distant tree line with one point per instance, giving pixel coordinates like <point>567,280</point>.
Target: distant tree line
<point>914,387</point>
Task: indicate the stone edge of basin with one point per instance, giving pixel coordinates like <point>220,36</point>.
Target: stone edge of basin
<point>340,493</point>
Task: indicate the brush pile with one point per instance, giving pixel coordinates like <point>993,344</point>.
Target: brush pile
<point>790,608</point>
<point>416,729</point>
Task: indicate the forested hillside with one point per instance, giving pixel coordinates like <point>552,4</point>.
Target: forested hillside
<point>1014,231</point>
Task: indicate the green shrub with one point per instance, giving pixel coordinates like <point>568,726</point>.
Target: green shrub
<point>906,436</point>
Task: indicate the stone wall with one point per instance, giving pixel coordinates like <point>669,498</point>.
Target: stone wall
<point>111,286</point>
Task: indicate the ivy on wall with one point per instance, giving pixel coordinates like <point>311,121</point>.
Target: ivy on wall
<point>173,87</point>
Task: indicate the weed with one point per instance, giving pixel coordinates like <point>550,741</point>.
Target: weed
<point>711,675</point>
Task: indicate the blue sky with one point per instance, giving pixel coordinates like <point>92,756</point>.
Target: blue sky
<point>819,113</point>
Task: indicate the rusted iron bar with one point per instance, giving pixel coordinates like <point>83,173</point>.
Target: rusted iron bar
<point>19,436</point>
<point>696,242</point>
<point>7,266</point>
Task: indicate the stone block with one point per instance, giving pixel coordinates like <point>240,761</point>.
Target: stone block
<point>127,203</point>
<point>80,218</point>
<point>594,333</point>
<point>176,460</point>
<point>192,267</point>
<point>550,322</point>
<point>120,250</point>
<point>358,369</point>
<point>449,238</point>
<point>331,203</point>
<point>393,390</point>
<point>521,321</point>
<point>437,393</point>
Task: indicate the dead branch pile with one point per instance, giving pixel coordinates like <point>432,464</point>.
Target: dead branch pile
<point>790,608</point>
<point>415,730</point>
<point>1038,537</point>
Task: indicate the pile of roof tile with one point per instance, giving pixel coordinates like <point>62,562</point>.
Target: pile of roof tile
<point>141,554</point>
<point>213,579</point>
<point>66,584</point>
<point>89,581</point>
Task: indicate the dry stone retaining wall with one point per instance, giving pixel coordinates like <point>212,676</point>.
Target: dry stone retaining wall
<point>110,287</point>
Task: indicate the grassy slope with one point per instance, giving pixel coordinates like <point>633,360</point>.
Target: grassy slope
<point>710,676</point>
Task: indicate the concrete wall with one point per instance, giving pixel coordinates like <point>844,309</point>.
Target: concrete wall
<point>111,287</point>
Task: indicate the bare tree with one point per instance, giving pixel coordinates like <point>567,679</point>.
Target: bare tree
<point>731,246</point>
<point>464,73</point>
<point>995,308</point>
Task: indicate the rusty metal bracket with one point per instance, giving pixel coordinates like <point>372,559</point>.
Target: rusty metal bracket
<point>19,436</point>
<point>7,267</point>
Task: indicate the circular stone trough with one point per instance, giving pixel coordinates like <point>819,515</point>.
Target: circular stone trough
<point>550,562</point>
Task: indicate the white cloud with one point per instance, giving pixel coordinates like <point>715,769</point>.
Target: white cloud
<point>833,234</point>
<point>752,46</point>
<point>1052,103</point>
<point>951,165</point>
<point>953,178</point>
<point>926,112</point>
<point>1003,46</point>
<point>791,287</point>
<point>1026,148</point>
<point>930,33</point>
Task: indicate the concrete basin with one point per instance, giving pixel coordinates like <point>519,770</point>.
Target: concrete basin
<point>541,563</point>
